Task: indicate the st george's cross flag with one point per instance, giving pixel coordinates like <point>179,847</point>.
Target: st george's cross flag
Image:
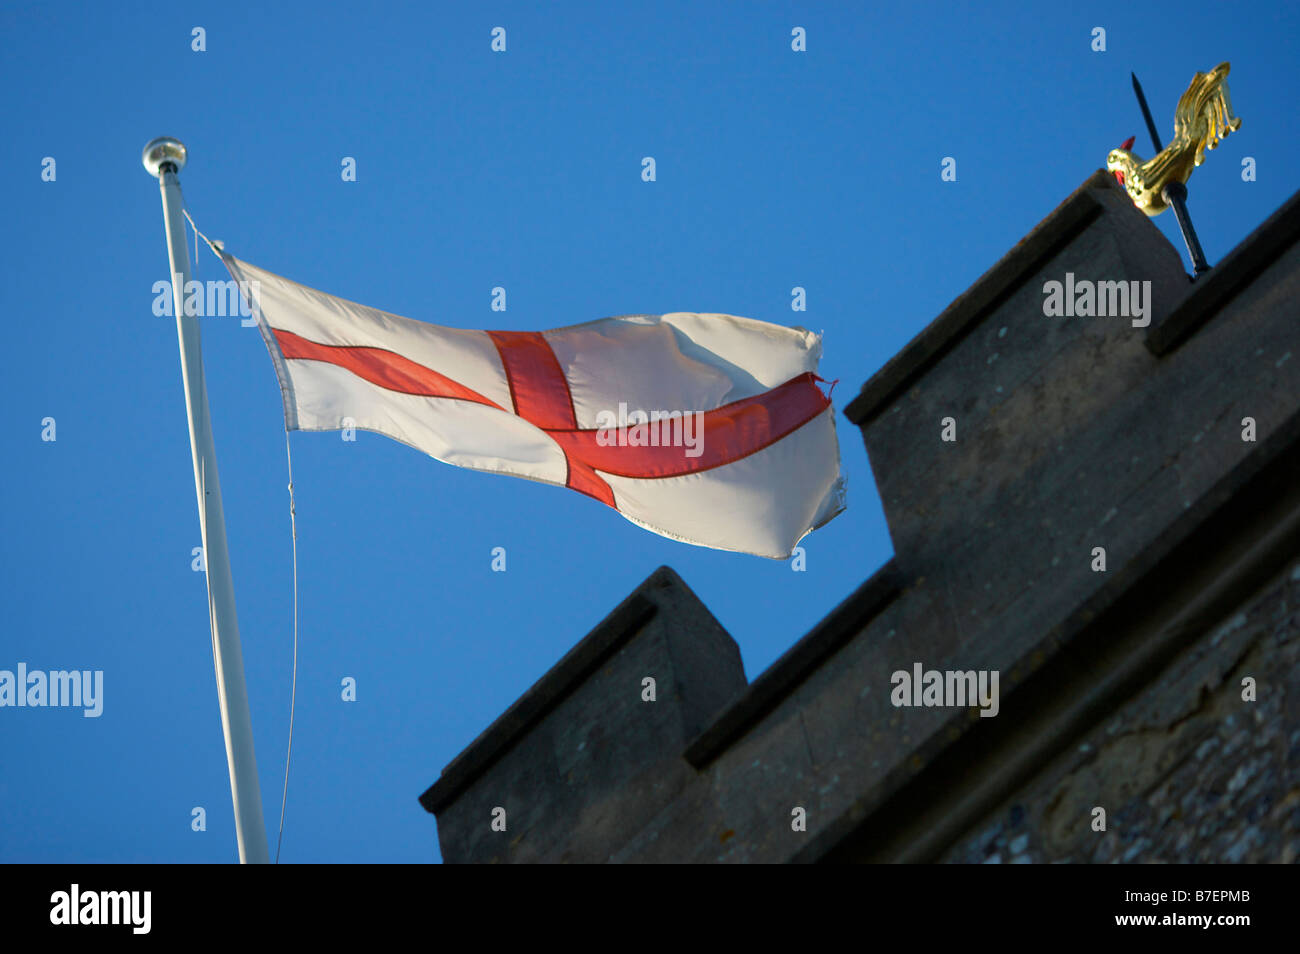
<point>709,429</point>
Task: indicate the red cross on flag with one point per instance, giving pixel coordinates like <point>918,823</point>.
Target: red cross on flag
<point>709,429</point>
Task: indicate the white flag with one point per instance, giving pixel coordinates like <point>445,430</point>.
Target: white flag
<point>709,429</point>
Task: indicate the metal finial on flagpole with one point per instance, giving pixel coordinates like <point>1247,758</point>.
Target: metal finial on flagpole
<point>161,151</point>
<point>164,158</point>
<point>1174,192</point>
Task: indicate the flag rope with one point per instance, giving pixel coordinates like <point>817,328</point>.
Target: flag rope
<point>293,692</point>
<point>293,530</point>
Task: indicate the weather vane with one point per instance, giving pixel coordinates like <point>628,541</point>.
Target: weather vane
<point>1202,118</point>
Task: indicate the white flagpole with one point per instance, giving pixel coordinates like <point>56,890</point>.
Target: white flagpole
<point>164,158</point>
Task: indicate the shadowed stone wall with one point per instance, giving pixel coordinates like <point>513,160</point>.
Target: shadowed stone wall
<point>1188,771</point>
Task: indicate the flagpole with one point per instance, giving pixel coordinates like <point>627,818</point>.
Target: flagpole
<point>164,158</point>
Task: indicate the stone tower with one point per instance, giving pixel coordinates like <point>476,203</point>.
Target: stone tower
<point>1101,509</point>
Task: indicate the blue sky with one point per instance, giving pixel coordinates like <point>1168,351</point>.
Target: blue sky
<point>476,169</point>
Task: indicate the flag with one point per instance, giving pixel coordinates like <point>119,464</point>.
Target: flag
<point>709,429</point>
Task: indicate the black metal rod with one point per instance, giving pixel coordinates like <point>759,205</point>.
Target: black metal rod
<point>1146,113</point>
<point>1175,193</point>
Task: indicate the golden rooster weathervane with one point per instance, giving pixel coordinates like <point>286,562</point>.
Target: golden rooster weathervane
<point>1202,119</point>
